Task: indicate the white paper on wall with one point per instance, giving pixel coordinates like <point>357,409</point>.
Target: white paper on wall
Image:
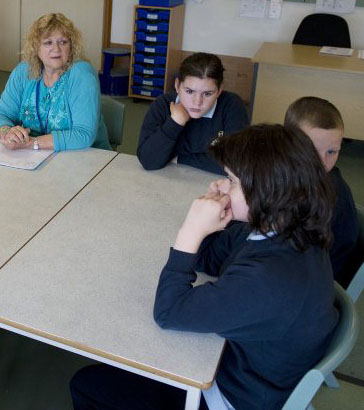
<point>335,6</point>
<point>275,9</point>
<point>253,8</point>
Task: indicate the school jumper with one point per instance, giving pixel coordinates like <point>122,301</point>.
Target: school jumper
<point>69,110</point>
<point>273,305</point>
<point>161,139</point>
<point>344,228</point>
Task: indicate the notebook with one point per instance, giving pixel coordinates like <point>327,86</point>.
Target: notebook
<point>23,158</point>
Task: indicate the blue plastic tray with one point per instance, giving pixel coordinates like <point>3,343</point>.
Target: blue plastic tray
<point>151,48</point>
<point>147,91</point>
<point>151,38</point>
<point>151,81</point>
<point>152,27</point>
<point>155,60</point>
<point>161,3</point>
<point>140,69</point>
<point>153,14</point>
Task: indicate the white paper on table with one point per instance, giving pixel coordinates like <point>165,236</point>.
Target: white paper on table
<point>337,51</point>
<point>335,6</point>
<point>361,54</point>
<point>253,8</point>
<point>23,158</point>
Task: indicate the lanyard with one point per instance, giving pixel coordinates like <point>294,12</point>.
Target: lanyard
<point>43,130</point>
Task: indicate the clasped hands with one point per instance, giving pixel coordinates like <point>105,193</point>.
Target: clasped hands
<point>16,138</point>
<point>208,214</point>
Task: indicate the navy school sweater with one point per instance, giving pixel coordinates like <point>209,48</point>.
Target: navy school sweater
<point>161,138</point>
<point>345,230</point>
<point>272,304</point>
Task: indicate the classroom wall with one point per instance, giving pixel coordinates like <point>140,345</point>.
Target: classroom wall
<point>10,34</point>
<point>215,26</point>
<point>18,15</point>
<point>90,24</point>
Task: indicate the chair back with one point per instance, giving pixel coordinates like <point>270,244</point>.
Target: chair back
<point>322,29</point>
<point>356,285</point>
<point>113,114</point>
<point>342,342</point>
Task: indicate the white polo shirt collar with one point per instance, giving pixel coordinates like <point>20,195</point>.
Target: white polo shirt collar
<point>257,236</point>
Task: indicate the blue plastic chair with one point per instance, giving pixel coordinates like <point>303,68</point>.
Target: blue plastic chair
<point>113,114</point>
<point>342,342</point>
<point>356,285</point>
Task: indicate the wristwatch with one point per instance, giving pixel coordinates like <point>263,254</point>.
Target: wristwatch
<point>35,144</point>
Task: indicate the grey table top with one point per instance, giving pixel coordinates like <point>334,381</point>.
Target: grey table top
<point>29,199</point>
<point>88,278</point>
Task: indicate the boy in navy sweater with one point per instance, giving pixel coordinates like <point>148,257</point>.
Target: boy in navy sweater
<point>323,123</point>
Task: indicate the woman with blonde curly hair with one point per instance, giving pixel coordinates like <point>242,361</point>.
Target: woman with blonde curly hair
<point>52,98</point>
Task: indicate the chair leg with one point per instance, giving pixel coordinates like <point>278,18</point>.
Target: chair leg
<point>357,284</point>
<point>331,381</point>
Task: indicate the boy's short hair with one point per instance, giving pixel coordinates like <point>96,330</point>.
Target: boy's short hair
<point>284,182</point>
<point>314,111</point>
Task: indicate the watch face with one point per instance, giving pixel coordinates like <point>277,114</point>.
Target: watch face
<point>35,145</point>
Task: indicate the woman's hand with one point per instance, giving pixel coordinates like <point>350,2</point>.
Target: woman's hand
<point>16,135</point>
<point>179,114</point>
<point>16,143</point>
<point>208,214</point>
<point>17,138</point>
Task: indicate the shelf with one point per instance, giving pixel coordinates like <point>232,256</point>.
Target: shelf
<point>156,50</point>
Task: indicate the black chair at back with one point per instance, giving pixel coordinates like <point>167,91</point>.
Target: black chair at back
<point>321,29</point>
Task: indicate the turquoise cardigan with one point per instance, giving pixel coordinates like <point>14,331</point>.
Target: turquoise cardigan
<point>79,123</point>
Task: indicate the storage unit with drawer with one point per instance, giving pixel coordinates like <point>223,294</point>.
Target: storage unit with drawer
<point>156,50</point>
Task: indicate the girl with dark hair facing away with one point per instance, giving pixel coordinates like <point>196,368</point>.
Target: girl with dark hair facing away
<point>273,295</point>
<point>181,124</point>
